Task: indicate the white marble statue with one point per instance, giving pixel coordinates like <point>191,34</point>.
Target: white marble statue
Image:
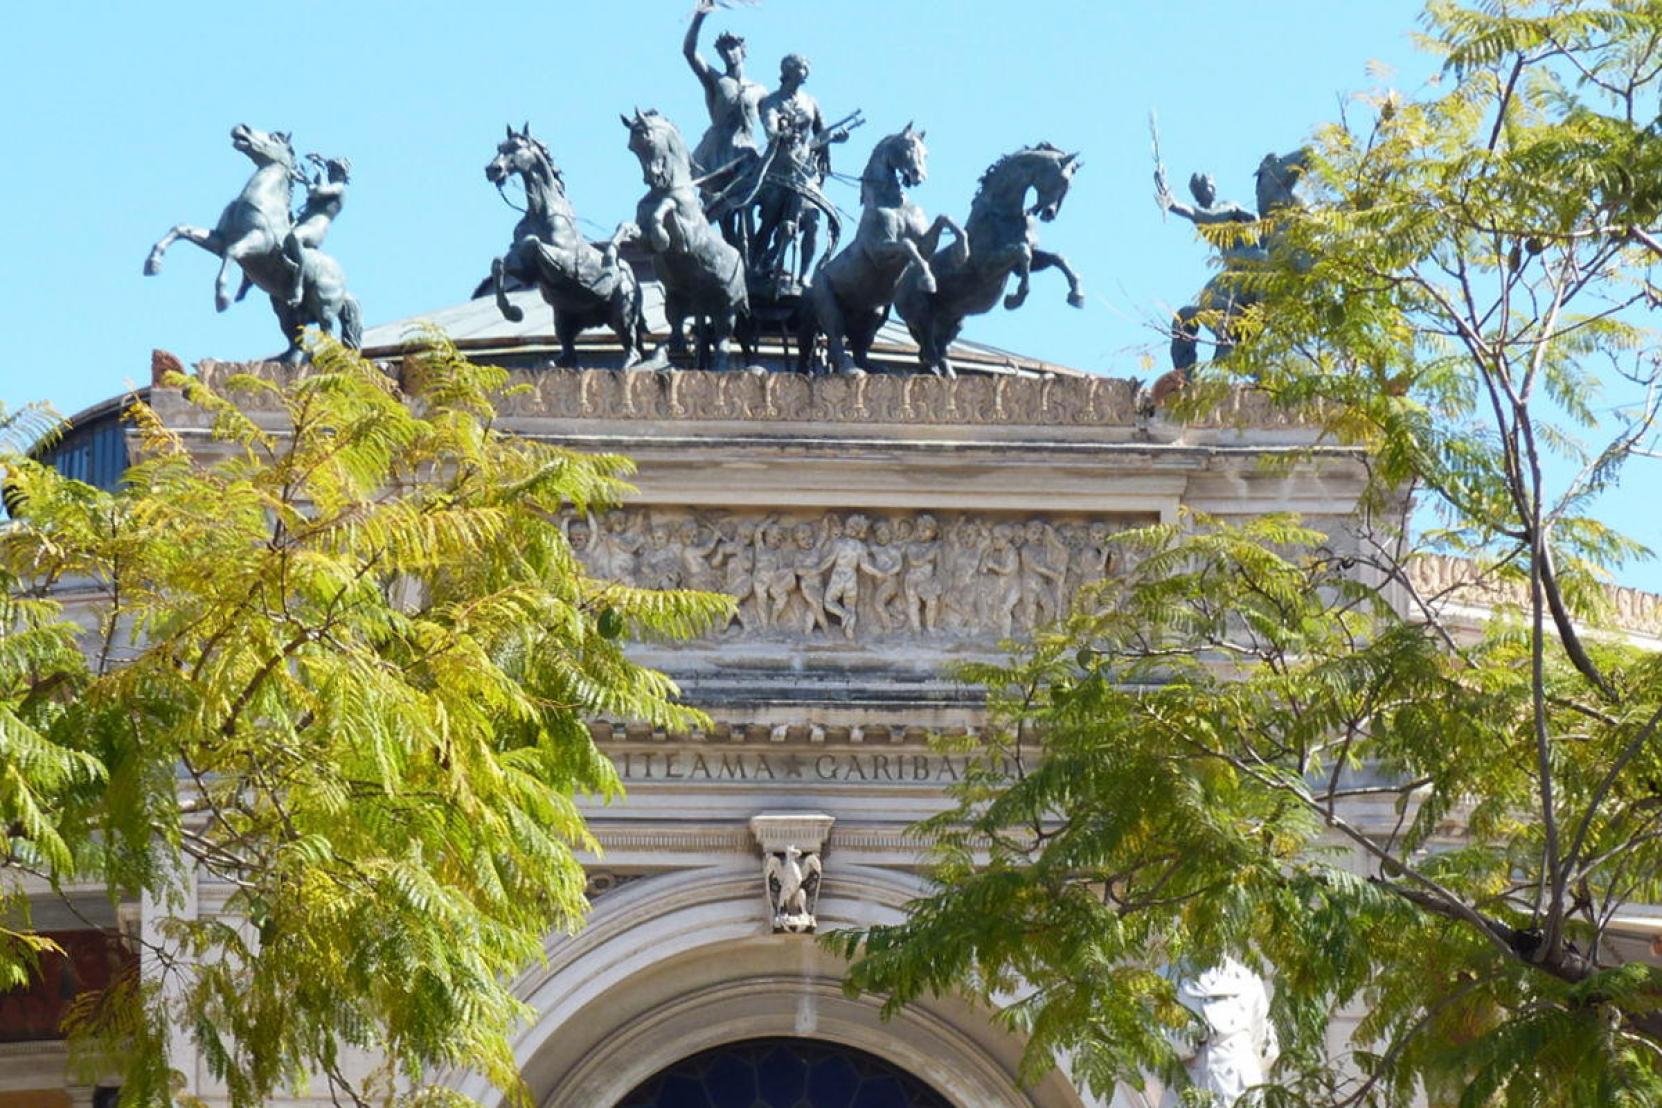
<point>793,888</point>
<point>1239,1045</point>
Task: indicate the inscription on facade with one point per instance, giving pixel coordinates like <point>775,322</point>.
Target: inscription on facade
<point>784,767</point>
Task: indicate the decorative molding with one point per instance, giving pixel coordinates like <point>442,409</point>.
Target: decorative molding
<point>33,1065</point>
<point>906,399</point>
<point>1441,579</point>
<point>730,840</point>
<point>810,734</point>
<point>778,831</point>
<point>796,398</point>
<point>867,838</point>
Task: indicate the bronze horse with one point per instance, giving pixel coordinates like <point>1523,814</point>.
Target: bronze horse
<point>851,294</point>
<point>251,232</point>
<point>702,274</point>
<point>1003,239</point>
<point>585,287</point>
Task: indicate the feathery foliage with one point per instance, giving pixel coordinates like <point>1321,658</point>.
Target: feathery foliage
<point>1266,742</point>
<point>338,663</point>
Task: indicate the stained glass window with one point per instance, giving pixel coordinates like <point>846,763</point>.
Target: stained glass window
<point>783,1073</point>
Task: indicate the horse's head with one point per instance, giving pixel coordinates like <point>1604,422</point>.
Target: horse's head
<point>1052,175</point>
<point>654,140</point>
<point>905,155</point>
<point>1044,168</point>
<point>1276,177</point>
<point>263,148</point>
<point>521,154</point>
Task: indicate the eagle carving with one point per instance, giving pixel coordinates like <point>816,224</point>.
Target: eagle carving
<point>793,889</point>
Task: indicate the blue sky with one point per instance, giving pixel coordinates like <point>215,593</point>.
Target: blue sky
<point>118,117</point>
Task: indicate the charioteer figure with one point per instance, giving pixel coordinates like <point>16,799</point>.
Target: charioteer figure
<point>796,164</point>
<point>728,152</point>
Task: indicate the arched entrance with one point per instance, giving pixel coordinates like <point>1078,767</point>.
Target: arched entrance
<point>682,964</point>
<point>783,1073</point>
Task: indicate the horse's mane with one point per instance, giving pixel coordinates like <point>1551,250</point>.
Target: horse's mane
<point>547,156</point>
<point>879,171</point>
<point>657,121</point>
<point>878,163</point>
<point>1004,162</point>
<point>668,149</point>
<point>288,144</point>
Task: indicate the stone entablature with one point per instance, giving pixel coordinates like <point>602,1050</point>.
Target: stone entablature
<point>877,530</point>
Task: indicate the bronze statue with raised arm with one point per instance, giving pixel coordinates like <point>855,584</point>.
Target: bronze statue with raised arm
<point>727,153</point>
<point>1226,295</point>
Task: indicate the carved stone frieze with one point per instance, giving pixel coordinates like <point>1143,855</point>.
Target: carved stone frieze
<point>857,575</point>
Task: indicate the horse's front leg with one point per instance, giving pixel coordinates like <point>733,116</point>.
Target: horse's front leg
<point>920,259</point>
<point>513,313</point>
<point>207,240</point>
<point>1023,266</point>
<point>657,227</point>
<point>931,240</point>
<point>625,234</point>
<point>1043,259</point>
<point>235,252</point>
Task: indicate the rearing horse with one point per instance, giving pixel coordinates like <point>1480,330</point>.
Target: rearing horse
<point>251,232</point>
<point>852,292</point>
<point>585,287</point>
<point>702,274</point>
<point>1003,239</point>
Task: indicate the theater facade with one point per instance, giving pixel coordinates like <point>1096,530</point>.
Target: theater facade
<point>876,529</point>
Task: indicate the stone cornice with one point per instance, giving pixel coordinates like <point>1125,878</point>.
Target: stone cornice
<point>1449,582</point>
<point>691,396</point>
